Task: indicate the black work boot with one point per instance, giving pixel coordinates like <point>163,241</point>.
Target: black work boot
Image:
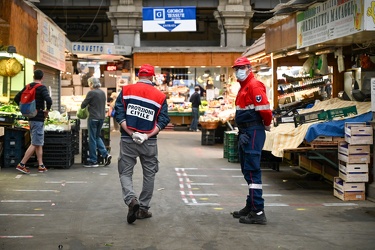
<point>254,218</point>
<point>133,211</point>
<point>143,214</point>
<point>243,212</point>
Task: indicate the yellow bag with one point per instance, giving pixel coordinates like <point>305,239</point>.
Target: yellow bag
<point>82,113</point>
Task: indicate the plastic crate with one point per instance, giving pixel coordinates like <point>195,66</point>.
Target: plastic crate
<point>309,117</point>
<point>58,137</point>
<point>58,163</point>
<point>341,112</point>
<point>208,136</point>
<point>14,138</point>
<point>11,161</point>
<point>62,149</point>
<point>7,119</point>
<point>104,135</point>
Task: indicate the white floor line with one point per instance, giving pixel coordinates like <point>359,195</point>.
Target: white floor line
<point>203,204</point>
<point>339,204</point>
<point>183,169</point>
<point>201,184</point>
<point>35,190</point>
<point>26,215</point>
<point>230,169</point>
<point>25,201</point>
<point>276,205</point>
<point>272,195</point>
<point>202,195</point>
<point>196,175</point>
<point>70,182</point>
<point>16,236</point>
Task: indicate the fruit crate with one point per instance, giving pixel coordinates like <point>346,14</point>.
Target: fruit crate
<point>341,112</point>
<point>309,117</point>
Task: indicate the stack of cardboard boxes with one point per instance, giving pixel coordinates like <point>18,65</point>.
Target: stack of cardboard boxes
<point>354,159</point>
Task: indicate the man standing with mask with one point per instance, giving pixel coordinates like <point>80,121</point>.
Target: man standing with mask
<point>253,117</point>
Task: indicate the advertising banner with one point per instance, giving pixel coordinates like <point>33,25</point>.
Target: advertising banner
<point>334,19</point>
<point>51,44</point>
<point>169,19</point>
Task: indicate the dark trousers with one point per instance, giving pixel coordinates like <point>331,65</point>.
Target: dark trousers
<point>251,141</point>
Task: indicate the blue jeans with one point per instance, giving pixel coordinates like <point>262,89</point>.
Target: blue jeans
<point>95,141</point>
<point>194,121</point>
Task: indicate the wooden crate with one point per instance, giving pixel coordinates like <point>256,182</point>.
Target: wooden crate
<point>354,158</point>
<point>353,153</point>
<point>353,176</point>
<point>349,195</point>
<point>358,133</point>
<point>323,138</point>
<point>344,186</point>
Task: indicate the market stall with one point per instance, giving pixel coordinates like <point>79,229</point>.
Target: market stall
<point>288,136</point>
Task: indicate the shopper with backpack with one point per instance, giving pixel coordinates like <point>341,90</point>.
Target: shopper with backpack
<point>43,103</point>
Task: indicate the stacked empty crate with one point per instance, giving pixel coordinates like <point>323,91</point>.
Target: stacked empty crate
<point>231,146</point>
<point>15,142</point>
<point>58,149</point>
<point>354,159</point>
<point>105,135</point>
<point>208,132</point>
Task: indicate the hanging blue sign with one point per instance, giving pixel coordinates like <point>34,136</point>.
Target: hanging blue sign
<point>169,19</point>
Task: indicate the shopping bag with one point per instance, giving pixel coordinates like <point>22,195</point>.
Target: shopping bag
<point>82,113</point>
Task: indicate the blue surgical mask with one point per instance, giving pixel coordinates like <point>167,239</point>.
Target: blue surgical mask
<point>241,74</point>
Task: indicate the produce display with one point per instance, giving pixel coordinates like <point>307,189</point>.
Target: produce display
<point>10,115</point>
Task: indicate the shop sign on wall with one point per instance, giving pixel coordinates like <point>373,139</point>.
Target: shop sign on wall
<point>334,19</point>
<point>170,19</point>
<point>51,49</point>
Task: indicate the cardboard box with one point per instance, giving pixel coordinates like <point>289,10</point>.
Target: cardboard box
<point>77,80</point>
<point>349,195</point>
<point>358,133</point>
<point>343,186</point>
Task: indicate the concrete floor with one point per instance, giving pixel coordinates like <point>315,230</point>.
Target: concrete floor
<point>80,208</point>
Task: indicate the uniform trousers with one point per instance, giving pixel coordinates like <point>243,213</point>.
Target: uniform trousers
<point>148,156</point>
<point>251,142</point>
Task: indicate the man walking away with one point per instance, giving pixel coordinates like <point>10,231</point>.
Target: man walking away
<point>142,112</point>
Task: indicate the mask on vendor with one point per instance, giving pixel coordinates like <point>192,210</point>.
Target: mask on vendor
<point>241,74</point>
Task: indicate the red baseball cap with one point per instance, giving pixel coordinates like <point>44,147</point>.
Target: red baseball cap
<point>241,61</point>
<point>146,70</point>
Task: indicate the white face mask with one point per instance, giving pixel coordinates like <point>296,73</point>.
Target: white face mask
<point>241,74</point>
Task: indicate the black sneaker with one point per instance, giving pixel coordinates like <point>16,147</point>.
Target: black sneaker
<point>107,160</point>
<point>243,212</point>
<point>91,165</point>
<point>254,218</point>
<point>133,211</point>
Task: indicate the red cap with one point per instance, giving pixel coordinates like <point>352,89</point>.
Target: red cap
<point>146,70</point>
<point>241,61</point>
